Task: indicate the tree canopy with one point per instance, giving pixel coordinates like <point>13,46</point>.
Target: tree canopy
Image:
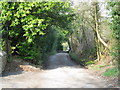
<point>33,27</point>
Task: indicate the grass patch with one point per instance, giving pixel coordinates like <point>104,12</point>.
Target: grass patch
<point>111,72</point>
<point>98,67</point>
<point>90,62</point>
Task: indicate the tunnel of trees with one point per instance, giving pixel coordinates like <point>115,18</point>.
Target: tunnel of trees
<point>33,30</point>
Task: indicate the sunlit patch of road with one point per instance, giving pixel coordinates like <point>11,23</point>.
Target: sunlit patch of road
<point>61,72</point>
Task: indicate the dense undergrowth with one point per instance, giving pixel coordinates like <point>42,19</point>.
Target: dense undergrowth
<point>101,56</point>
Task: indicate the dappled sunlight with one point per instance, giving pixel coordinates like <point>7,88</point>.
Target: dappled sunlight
<point>65,46</point>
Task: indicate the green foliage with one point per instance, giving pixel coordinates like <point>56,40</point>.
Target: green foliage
<point>74,57</point>
<point>98,67</point>
<point>111,72</point>
<point>91,18</point>
<point>82,39</point>
<point>90,62</point>
<point>33,27</point>
<point>81,60</point>
<point>115,25</point>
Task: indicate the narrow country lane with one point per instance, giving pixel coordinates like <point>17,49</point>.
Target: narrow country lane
<point>60,72</point>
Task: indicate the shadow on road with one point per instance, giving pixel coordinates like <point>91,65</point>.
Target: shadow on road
<point>13,68</point>
<point>59,60</point>
<point>55,76</point>
<point>18,66</point>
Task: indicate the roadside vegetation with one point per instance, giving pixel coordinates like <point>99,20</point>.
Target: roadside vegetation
<point>89,31</point>
<point>32,30</point>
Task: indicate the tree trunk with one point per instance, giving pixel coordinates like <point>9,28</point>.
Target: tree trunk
<point>8,48</point>
<point>96,29</point>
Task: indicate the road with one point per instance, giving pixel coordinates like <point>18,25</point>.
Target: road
<point>60,72</point>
